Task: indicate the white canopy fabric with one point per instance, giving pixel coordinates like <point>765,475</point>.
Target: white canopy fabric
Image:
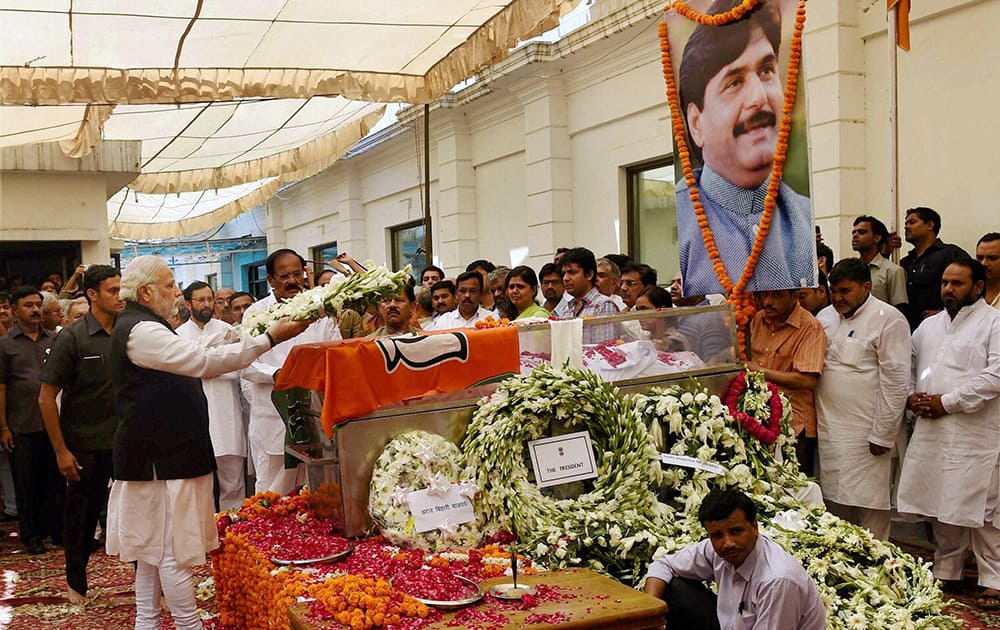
<point>218,145</point>
<point>184,51</point>
<point>235,98</point>
<point>138,216</point>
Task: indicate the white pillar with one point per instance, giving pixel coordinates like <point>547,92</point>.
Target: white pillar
<point>833,53</point>
<point>549,169</point>
<point>456,226</point>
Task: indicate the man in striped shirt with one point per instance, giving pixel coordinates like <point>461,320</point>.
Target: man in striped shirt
<point>579,269</point>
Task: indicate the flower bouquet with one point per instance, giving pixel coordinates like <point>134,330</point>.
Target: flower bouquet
<point>415,461</point>
<point>356,292</point>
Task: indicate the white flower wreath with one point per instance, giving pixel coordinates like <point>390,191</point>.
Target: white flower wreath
<point>616,526</point>
<point>415,461</point>
<point>356,291</point>
<point>863,582</point>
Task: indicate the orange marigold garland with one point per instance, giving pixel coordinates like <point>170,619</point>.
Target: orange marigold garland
<point>742,302</point>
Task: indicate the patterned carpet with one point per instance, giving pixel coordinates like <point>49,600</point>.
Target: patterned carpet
<point>34,587</point>
<point>34,591</point>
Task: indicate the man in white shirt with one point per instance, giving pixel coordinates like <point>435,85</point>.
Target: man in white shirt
<point>950,470</point>
<point>266,433</point>
<point>888,278</point>
<point>760,584</point>
<point>469,311</point>
<point>161,513</point>
<point>225,418</point>
<point>861,398</point>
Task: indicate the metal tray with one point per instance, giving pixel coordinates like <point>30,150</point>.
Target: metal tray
<point>509,590</point>
<point>340,555</point>
<point>455,603</point>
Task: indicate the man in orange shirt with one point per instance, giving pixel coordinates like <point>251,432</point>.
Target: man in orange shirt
<point>788,344</point>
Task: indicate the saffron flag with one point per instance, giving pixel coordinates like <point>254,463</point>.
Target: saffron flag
<point>901,11</point>
<point>358,376</point>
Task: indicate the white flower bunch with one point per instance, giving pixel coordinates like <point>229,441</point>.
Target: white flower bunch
<point>357,291</point>
<point>615,526</point>
<point>415,461</point>
<point>863,582</point>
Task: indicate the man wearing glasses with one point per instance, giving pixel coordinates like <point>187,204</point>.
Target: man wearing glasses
<point>286,273</point>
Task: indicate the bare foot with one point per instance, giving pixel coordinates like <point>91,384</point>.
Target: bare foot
<point>163,605</point>
<point>76,598</point>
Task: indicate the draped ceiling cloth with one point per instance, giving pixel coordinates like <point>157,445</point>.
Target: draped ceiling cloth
<point>235,97</point>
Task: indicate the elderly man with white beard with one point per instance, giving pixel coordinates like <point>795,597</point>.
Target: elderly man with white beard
<point>161,511</point>
<point>861,398</point>
<point>950,472</point>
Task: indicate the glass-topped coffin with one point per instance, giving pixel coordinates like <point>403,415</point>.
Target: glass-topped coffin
<point>636,344</point>
<point>635,350</point>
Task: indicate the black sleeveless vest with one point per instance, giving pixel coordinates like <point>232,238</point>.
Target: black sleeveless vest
<point>163,418</point>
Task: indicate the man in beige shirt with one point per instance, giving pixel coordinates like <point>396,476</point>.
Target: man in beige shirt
<point>888,278</point>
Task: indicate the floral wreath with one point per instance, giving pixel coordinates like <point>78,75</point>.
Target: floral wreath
<point>356,291</point>
<point>697,424</point>
<point>414,461</point>
<point>617,525</point>
<point>748,391</point>
<point>741,301</point>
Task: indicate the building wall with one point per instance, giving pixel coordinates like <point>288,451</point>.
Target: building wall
<point>533,156</point>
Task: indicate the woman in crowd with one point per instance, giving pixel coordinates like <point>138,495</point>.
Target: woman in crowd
<point>522,288</point>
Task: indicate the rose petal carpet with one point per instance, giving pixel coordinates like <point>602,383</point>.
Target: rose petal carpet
<point>33,592</point>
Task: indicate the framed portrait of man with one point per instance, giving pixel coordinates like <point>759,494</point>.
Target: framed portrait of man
<point>731,81</point>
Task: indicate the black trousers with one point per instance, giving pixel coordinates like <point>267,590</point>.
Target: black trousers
<point>690,605</point>
<point>40,488</point>
<point>85,500</point>
<point>805,452</point>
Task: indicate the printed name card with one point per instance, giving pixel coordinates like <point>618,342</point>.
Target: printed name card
<point>430,511</point>
<point>691,462</point>
<point>562,459</point>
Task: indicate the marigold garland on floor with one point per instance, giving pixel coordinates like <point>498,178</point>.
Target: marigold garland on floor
<point>742,302</point>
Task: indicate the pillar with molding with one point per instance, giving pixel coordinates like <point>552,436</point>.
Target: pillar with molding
<point>549,164</point>
<point>456,226</point>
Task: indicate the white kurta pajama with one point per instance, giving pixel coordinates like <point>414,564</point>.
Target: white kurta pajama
<point>950,469</point>
<point>168,526</point>
<point>266,431</point>
<point>225,416</point>
<point>860,399</point>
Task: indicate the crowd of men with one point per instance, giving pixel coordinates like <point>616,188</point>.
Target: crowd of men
<point>853,355</point>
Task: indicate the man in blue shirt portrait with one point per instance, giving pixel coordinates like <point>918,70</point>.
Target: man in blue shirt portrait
<point>732,98</point>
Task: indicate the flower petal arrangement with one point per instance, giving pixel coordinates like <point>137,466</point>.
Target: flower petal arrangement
<point>357,292</point>
<point>419,460</point>
<point>863,582</point>
<point>613,527</point>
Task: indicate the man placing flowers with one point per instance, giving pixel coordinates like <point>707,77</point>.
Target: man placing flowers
<point>161,509</point>
<point>760,584</point>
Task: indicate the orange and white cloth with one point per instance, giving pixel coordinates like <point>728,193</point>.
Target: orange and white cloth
<point>359,376</point>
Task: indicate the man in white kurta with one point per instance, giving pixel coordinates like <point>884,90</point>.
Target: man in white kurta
<point>950,469</point>
<point>266,433</point>
<point>159,516</point>
<point>225,416</point>
<point>861,398</point>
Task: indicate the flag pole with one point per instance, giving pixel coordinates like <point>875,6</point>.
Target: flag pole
<point>891,15</point>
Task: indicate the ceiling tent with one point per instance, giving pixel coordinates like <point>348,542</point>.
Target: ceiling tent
<point>233,100</point>
<point>142,52</point>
